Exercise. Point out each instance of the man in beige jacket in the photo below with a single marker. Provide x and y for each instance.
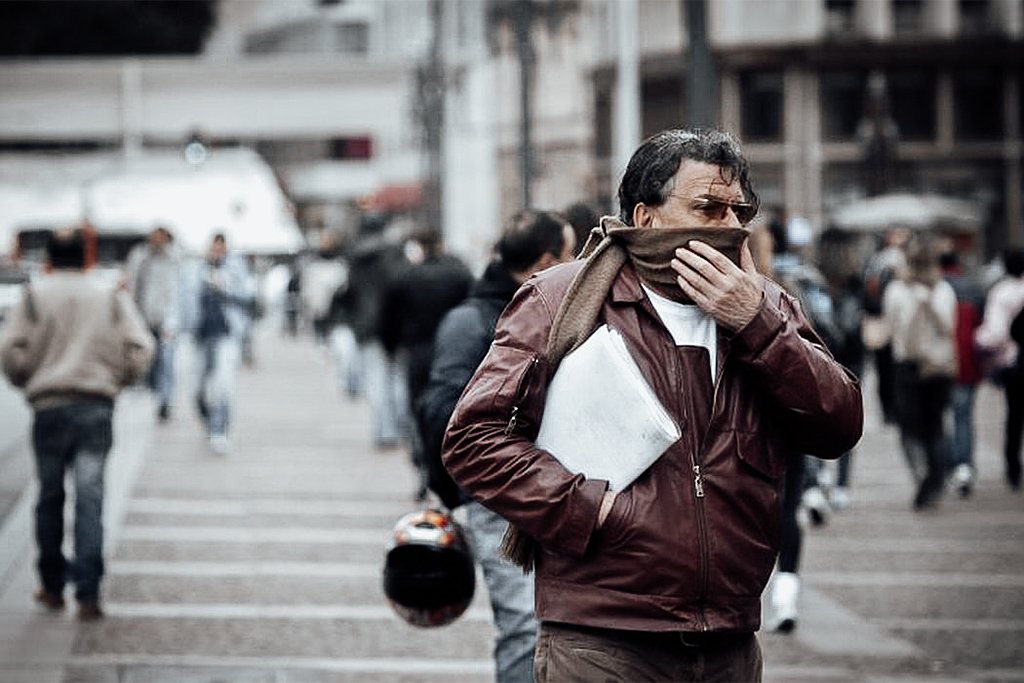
(71, 345)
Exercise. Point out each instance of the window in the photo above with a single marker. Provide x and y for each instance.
(978, 105)
(908, 17)
(352, 148)
(839, 18)
(663, 104)
(976, 18)
(912, 103)
(842, 104)
(761, 105)
(351, 38)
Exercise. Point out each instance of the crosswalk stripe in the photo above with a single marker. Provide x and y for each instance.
(270, 506)
(240, 534)
(912, 579)
(398, 665)
(249, 568)
(951, 624)
(183, 610)
(916, 545)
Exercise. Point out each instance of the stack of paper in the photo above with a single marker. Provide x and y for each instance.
(601, 417)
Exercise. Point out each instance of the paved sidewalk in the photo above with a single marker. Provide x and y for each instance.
(264, 565)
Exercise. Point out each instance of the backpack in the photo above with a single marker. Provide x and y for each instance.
(929, 344)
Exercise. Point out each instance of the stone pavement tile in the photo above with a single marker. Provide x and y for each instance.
(284, 670)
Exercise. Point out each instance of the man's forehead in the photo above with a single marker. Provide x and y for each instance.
(699, 175)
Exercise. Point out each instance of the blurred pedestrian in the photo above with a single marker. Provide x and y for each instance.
(882, 267)
(224, 304)
(376, 261)
(531, 241)
(1002, 305)
(662, 579)
(321, 275)
(71, 345)
(583, 219)
(153, 275)
(343, 345)
(413, 306)
(848, 303)
(920, 309)
(970, 301)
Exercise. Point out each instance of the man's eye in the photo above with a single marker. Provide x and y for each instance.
(711, 207)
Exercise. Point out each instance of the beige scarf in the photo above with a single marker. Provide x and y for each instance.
(608, 248)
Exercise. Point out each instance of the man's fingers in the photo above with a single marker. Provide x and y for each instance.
(747, 263)
(709, 253)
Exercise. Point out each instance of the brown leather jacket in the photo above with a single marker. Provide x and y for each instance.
(689, 546)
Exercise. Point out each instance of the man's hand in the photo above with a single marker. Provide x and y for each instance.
(605, 508)
(730, 295)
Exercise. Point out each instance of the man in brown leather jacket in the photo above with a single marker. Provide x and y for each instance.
(661, 580)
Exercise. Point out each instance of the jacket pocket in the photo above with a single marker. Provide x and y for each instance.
(617, 525)
(508, 387)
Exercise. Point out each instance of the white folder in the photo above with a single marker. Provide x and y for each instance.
(601, 418)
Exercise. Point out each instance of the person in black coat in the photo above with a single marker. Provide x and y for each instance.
(532, 241)
(412, 308)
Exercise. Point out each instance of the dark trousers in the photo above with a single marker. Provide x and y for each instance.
(792, 537)
(1013, 389)
(575, 653)
(78, 437)
(921, 402)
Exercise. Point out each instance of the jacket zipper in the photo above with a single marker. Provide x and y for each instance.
(520, 391)
(698, 486)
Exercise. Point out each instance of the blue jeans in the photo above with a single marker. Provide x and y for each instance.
(386, 392)
(220, 358)
(961, 450)
(511, 594)
(76, 436)
(161, 374)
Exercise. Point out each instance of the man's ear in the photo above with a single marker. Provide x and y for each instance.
(643, 216)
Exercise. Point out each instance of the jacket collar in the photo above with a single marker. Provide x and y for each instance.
(626, 287)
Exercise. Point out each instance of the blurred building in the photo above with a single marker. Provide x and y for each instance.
(833, 99)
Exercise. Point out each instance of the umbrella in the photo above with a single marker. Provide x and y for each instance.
(913, 211)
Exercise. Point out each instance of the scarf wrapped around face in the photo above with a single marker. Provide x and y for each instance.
(608, 247)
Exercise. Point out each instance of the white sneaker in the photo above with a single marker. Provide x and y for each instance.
(785, 592)
(220, 444)
(839, 498)
(963, 479)
(818, 510)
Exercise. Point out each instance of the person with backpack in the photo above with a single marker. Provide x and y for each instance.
(881, 269)
(920, 309)
(1003, 307)
(531, 241)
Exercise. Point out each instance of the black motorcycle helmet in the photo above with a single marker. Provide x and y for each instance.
(429, 575)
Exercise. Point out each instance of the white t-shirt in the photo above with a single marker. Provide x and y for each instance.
(688, 325)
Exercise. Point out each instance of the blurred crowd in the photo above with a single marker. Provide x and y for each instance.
(918, 312)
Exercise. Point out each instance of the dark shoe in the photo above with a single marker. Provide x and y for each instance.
(202, 408)
(164, 413)
(54, 602)
(89, 610)
(1013, 478)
